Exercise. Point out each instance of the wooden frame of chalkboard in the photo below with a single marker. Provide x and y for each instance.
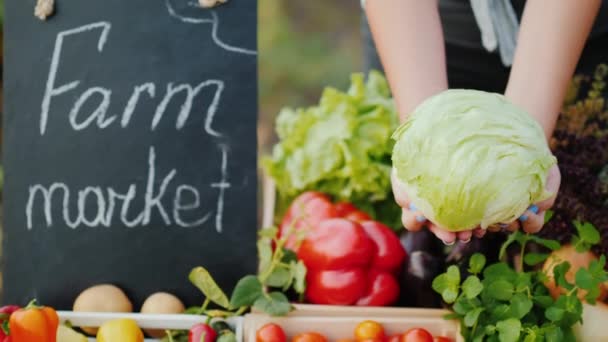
(130, 147)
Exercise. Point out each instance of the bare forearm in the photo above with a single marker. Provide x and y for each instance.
(409, 40)
(551, 37)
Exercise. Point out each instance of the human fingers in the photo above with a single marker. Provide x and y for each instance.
(532, 220)
(479, 232)
(448, 238)
(412, 219)
(465, 236)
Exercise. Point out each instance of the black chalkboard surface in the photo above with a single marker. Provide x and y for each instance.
(130, 147)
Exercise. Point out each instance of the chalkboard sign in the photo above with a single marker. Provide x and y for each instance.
(129, 147)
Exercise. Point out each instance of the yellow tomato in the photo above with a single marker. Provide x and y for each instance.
(120, 330)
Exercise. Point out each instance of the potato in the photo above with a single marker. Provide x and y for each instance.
(102, 298)
(577, 260)
(161, 303)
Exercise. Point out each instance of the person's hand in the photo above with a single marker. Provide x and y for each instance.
(531, 221)
(534, 218)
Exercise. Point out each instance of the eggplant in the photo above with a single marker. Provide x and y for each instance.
(417, 279)
(425, 261)
(423, 240)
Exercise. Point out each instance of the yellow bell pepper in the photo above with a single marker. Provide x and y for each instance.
(120, 330)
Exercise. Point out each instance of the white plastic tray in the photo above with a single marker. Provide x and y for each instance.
(145, 321)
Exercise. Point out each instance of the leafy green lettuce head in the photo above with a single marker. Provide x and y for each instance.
(341, 146)
(470, 158)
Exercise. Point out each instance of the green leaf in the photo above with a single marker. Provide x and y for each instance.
(501, 311)
(499, 271)
(559, 274)
(584, 279)
(462, 306)
(551, 244)
(447, 284)
(246, 291)
(532, 259)
(548, 215)
(280, 277)
(275, 304)
(218, 313)
(503, 249)
(553, 334)
(476, 263)
(592, 295)
(288, 256)
(554, 313)
(587, 232)
(472, 287)
(299, 275)
(500, 289)
(509, 330)
(264, 254)
(472, 316)
(544, 301)
(520, 305)
(201, 278)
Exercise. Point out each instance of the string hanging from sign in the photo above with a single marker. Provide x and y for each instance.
(44, 9)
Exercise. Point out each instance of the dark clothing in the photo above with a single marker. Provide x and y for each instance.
(470, 65)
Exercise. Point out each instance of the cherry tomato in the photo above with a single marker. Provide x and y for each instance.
(417, 335)
(270, 333)
(442, 339)
(369, 330)
(309, 337)
(394, 338)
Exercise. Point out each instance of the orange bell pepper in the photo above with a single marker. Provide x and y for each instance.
(34, 324)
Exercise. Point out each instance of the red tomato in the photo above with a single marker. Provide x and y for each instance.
(309, 337)
(350, 212)
(270, 333)
(417, 335)
(369, 330)
(335, 287)
(394, 338)
(442, 339)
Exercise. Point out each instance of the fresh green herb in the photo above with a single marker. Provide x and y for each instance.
(497, 303)
(588, 236)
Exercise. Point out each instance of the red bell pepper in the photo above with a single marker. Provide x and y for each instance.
(350, 212)
(5, 314)
(351, 263)
(305, 212)
(34, 323)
